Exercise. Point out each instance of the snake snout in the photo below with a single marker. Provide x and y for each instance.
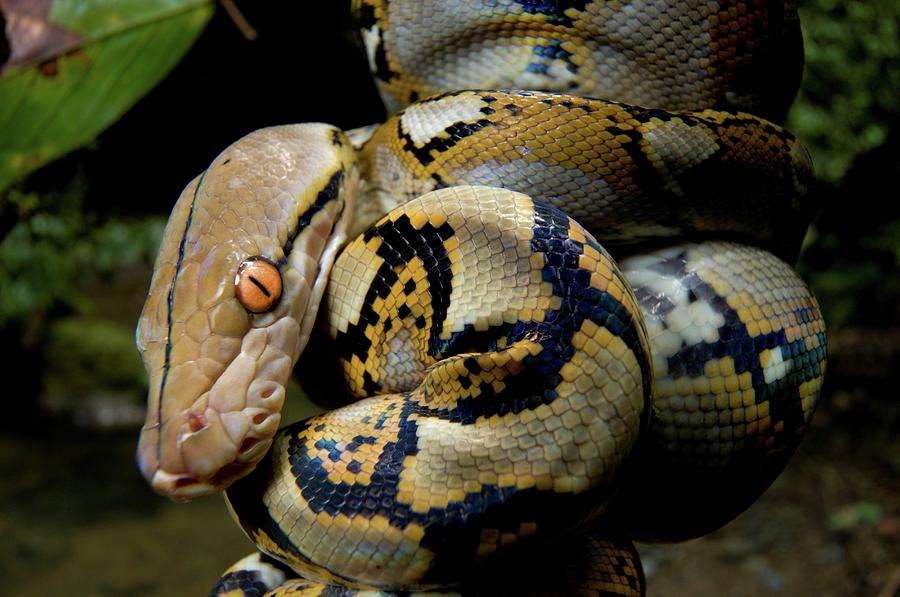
(178, 486)
(204, 448)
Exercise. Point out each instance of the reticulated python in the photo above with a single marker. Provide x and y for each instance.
(515, 386)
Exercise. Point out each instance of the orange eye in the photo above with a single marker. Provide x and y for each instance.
(257, 284)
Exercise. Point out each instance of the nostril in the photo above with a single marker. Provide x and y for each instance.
(248, 443)
(196, 422)
(259, 418)
(267, 392)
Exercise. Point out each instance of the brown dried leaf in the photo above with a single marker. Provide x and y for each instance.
(29, 34)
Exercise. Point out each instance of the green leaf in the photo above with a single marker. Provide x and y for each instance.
(849, 517)
(57, 250)
(852, 72)
(75, 66)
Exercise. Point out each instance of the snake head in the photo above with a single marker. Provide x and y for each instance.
(243, 263)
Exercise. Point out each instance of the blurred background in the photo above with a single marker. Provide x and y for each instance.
(96, 144)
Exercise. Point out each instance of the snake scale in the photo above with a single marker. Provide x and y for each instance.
(512, 385)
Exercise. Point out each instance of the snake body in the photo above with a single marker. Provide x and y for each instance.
(728, 54)
(514, 383)
(491, 425)
(640, 175)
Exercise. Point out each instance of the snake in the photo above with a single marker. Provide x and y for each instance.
(558, 322)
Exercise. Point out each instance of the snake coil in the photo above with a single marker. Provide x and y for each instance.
(513, 385)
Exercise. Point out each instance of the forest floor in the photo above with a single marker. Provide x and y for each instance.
(78, 519)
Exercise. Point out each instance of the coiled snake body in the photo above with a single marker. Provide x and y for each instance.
(515, 386)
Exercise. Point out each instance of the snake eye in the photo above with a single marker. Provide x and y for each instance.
(257, 284)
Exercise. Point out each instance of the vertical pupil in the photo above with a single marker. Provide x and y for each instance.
(258, 284)
(261, 286)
